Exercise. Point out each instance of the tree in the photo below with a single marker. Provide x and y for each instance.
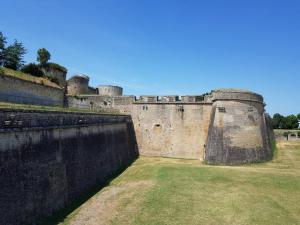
(13, 55)
(277, 121)
(290, 122)
(298, 116)
(43, 56)
(2, 47)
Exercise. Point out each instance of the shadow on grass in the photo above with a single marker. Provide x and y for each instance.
(61, 214)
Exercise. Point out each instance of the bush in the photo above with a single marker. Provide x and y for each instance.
(55, 66)
(33, 69)
(54, 80)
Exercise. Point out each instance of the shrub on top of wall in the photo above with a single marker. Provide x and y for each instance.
(55, 66)
(33, 69)
(53, 79)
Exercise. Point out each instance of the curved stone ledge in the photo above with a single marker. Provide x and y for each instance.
(236, 94)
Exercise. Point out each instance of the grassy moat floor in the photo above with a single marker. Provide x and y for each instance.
(161, 191)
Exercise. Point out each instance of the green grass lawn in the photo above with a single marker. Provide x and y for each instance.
(161, 191)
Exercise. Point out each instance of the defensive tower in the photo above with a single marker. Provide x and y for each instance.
(78, 84)
(110, 90)
(239, 128)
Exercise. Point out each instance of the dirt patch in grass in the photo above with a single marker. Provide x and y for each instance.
(112, 202)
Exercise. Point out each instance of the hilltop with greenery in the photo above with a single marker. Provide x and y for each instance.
(12, 57)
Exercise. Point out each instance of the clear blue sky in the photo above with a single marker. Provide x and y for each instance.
(168, 46)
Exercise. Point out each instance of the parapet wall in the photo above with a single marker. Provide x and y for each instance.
(49, 159)
(16, 90)
(122, 104)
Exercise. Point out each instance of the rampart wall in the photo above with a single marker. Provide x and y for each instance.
(228, 126)
(49, 159)
(122, 104)
(172, 130)
(16, 90)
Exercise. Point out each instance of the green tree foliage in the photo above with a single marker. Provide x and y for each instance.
(298, 116)
(277, 121)
(33, 69)
(43, 56)
(282, 122)
(2, 47)
(290, 122)
(13, 55)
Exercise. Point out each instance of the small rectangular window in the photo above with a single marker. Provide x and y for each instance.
(222, 109)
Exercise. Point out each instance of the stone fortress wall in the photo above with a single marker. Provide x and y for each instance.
(49, 159)
(227, 126)
(16, 90)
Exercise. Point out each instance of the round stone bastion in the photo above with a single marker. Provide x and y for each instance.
(240, 130)
(78, 84)
(110, 90)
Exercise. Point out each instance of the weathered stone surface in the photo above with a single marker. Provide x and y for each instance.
(171, 130)
(239, 130)
(78, 84)
(53, 158)
(16, 90)
(110, 90)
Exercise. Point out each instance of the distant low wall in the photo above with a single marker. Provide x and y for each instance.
(16, 90)
(121, 104)
(49, 159)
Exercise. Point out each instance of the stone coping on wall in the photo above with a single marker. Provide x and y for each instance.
(173, 103)
(22, 119)
(236, 94)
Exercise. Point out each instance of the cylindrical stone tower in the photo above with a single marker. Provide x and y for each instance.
(109, 90)
(239, 130)
(78, 84)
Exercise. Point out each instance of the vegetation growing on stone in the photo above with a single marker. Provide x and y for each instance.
(55, 66)
(28, 77)
(33, 69)
(12, 57)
